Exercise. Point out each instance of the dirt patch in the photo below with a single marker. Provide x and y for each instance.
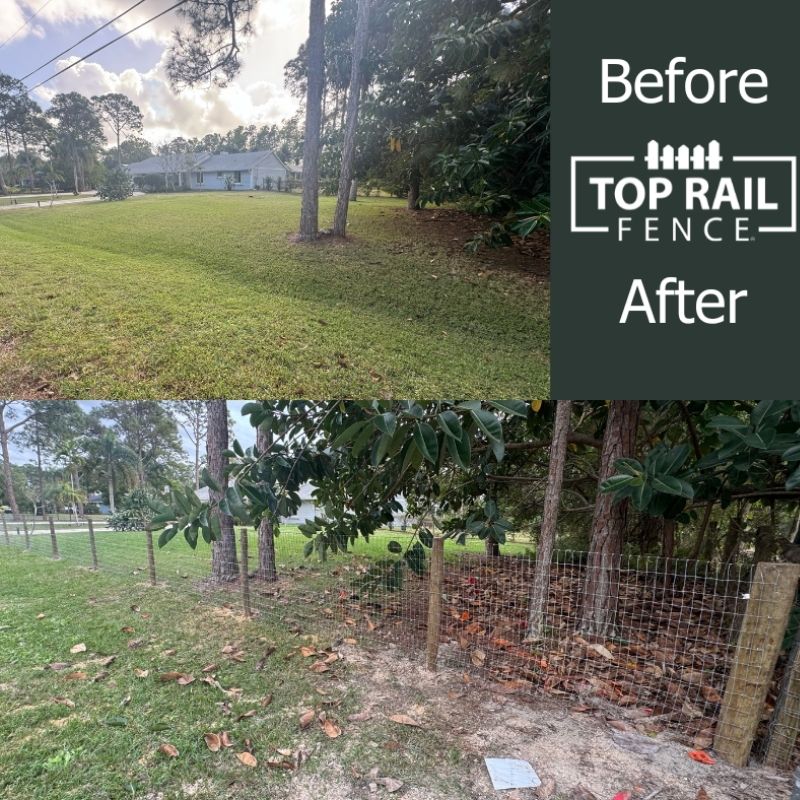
(452, 229)
(569, 750)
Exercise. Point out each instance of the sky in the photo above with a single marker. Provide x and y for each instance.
(135, 65)
(242, 429)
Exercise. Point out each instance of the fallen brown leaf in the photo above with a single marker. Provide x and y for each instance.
(169, 750)
(213, 742)
(331, 729)
(225, 739)
(77, 676)
(64, 701)
(307, 717)
(78, 648)
(141, 673)
(248, 759)
(404, 719)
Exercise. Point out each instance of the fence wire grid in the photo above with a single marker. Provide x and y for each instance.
(707, 652)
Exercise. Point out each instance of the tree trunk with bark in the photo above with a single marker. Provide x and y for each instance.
(547, 534)
(601, 584)
(413, 189)
(315, 60)
(668, 538)
(349, 144)
(492, 548)
(267, 568)
(111, 500)
(8, 478)
(224, 563)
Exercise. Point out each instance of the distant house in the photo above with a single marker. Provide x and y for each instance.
(205, 171)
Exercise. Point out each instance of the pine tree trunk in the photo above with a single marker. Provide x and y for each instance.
(8, 478)
(111, 500)
(547, 535)
(349, 144)
(224, 563)
(3, 186)
(267, 568)
(315, 60)
(668, 538)
(75, 177)
(76, 480)
(413, 189)
(353, 190)
(601, 584)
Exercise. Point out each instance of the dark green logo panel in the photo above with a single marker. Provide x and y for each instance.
(676, 134)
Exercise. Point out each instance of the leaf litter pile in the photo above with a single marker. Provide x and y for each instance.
(666, 667)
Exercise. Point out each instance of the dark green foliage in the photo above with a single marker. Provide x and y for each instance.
(137, 512)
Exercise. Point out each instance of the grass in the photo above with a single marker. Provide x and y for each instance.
(206, 295)
(99, 737)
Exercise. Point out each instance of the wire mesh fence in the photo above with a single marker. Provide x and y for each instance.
(703, 651)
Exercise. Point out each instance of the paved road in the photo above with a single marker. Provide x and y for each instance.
(45, 202)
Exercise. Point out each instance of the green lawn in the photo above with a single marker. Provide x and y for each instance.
(89, 725)
(125, 552)
(206, 295)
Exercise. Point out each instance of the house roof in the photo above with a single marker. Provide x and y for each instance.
(235, 162)
(158, 165)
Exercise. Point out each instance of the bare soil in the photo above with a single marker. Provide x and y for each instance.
(576, 755)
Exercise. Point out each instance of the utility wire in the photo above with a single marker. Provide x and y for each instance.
(108, 44)
(81, 41)
(41, 8)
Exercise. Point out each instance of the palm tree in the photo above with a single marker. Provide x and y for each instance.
(113, 462)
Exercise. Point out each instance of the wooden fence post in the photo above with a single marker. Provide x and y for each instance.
(435, 602)
(245, 574)
(785, 724)
(53, 539)
(151, 556)
(27, 539)
(772, 593)
(92, 544)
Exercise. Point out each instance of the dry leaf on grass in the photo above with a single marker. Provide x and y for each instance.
(265, 701)
(127, 629)
(702, 794)
(225, 739)
(246, 715)
(404, 719)
(361, 716)
(40, 616)
(185, 680)
(248, 759)
(332, 730)
(391, 784)
(307, 717)
(307, 652)
(76, 676)
(213, 742)
(64, 701)
(78, 648)
(57, 666)
(169, 750)
(141, 673)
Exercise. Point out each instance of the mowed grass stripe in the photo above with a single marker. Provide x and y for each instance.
(206, 294)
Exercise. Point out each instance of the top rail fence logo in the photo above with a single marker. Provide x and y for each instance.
(684, 192)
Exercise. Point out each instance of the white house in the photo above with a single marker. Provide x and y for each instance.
(207, 171)
(309, 509)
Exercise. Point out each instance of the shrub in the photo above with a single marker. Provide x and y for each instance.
(117, 185)
(137, 512)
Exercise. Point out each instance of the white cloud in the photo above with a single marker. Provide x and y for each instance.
(256, 96)
(189, 112)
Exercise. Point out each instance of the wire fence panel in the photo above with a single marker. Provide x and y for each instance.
(683, 645)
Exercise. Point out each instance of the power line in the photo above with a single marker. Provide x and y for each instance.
(81, 41)
(108, 44)
(41, 8)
